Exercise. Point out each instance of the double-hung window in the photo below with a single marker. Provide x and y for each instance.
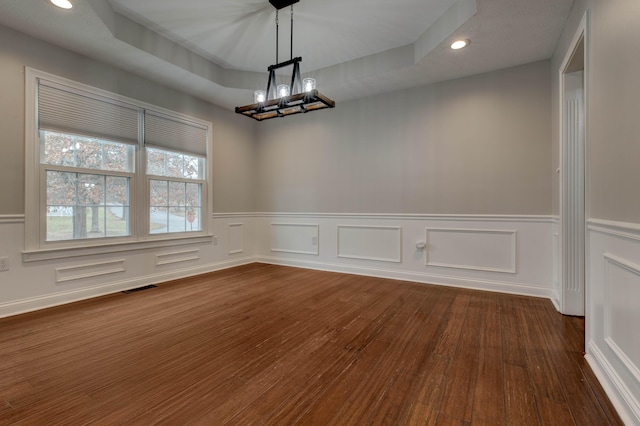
(104, 170)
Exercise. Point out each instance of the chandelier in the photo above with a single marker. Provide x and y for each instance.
(300, 96)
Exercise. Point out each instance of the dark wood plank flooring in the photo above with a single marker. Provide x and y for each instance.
(263, 344)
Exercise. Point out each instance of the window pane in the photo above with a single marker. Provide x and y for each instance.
(193, 219)
(177, 219)
(115, 155)
(61, 188)
(95, 222)
(155, 162)
(176, 194)
(193, 195)
(88, 153)
(193, 167)
(59, 223)
(175, 166)
(117, 191)
(158, 218)
(117, 222)
(57, 149)
(91, 190)
(159, 193)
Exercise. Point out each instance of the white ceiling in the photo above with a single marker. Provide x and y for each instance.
(219, 50)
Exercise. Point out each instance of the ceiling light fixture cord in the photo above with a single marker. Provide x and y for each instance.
(277, 36)
(291, 32)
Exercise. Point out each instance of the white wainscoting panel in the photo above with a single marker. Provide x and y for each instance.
(613, 312)
(236, 238)
(491, 250)
(379, 243)
(297, 238)
(177, 257)
(622, 302)
(89, 270)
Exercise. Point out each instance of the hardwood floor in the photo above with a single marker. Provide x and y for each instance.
(263, 344)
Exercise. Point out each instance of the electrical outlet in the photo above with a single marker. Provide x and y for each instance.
(314, 241)
(215, 240)
(4, 264)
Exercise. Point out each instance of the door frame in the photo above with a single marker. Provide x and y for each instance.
(568, 303)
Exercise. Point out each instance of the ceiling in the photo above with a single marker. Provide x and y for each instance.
(219, 50)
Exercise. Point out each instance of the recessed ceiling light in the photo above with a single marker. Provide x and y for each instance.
(459, 44)
(63, 4)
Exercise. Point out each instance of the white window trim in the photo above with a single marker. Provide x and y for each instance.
(37, 249)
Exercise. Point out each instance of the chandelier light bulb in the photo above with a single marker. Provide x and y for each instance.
(283, 90)
(309, 84)
(259, 96)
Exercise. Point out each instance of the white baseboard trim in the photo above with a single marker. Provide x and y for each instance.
(62, 298)
(417, 277)
(555, 299)
(621, 397)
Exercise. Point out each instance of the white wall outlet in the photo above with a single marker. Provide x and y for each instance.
(314, 241)
(215, 240)
(4, 264)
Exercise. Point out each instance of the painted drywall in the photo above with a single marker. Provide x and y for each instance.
(477, 145)
(614, 98)
(233, 137)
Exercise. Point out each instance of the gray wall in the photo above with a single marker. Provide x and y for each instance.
(613, 150)
(233, 136)
(478, 145)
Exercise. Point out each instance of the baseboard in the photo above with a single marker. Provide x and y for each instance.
(62, 298)
(423, 278)
(621, 397)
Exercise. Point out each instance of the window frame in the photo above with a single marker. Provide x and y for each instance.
(37, 248)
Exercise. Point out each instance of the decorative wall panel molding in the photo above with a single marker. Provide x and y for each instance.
(630, 231)
(89, 270)
(236, 238)
(11, 218)
(622, 298)
(177, 257)
(297, 238)
(490, 250)
(378, 243)
(391, 216)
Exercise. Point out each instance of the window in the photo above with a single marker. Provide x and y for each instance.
(110, 169)
(87, 185)
(175, 201)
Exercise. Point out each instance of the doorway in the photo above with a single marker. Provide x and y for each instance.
(573, 137)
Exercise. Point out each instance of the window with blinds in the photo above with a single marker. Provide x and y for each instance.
(93, 182)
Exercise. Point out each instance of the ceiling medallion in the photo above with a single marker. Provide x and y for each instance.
(282, 100)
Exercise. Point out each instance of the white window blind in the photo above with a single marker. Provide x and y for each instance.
(67, 110)
(174, 134)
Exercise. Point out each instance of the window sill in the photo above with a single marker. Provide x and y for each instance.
(77, 251)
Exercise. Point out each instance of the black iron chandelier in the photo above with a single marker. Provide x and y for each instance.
(283, 100)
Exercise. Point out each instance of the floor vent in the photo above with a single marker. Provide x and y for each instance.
(135, 290)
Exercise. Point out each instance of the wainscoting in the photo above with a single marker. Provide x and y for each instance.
(510, 254)
(613, 312)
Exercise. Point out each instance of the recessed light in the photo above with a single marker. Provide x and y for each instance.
(63, 4)
(459, 44)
